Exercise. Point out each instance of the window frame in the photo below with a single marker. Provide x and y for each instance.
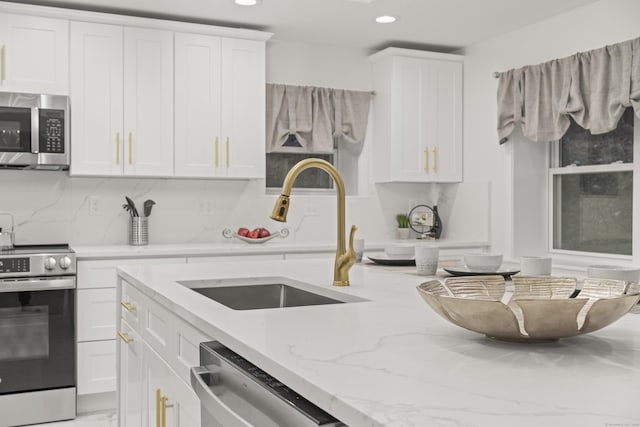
(555, 170)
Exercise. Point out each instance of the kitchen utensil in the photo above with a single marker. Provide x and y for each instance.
(539, 309)
(7, 237)
(148, 205)
(132, 205)
(127, 208)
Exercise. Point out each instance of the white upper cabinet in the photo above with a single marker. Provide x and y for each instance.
(148, 102)
(417, 116)
(122, 100)
(198, 104)
(34, 54)
(220, 107)
(243, 107)
(96, 99)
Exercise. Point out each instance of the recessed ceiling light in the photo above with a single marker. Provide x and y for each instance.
(247, 2)
(385, 19)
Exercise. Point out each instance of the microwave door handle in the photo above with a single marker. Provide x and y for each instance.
(35, 130)
(224, 415)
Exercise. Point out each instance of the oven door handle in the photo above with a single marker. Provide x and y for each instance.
(224, 415)
(21, 285)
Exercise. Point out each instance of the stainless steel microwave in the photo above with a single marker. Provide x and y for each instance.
(34, 131)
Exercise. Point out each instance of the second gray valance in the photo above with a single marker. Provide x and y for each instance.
(594, 88)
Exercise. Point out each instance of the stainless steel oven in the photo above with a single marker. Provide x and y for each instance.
(235, 393)
(37, 334)
(34, 131)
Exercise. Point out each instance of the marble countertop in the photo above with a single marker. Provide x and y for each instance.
(238, 247)
(392, 361)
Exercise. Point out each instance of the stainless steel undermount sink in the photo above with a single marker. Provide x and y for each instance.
(270, 292)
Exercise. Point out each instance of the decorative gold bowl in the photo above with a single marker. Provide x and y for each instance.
(538, 308)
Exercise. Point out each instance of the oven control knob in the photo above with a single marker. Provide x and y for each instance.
(65, 262)
(50, 263)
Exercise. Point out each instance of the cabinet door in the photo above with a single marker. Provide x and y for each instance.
(96, 98)
(96, 314)
(148, 102)
(444, 128)
(197, 115)
(243, 108)
(96, 367)
(131, 378)
(35, 54)
(409, 154)
(182, 405)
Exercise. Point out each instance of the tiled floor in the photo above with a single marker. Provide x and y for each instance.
(102, 419)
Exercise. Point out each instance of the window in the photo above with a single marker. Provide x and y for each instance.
(591, 180)
(278, 164)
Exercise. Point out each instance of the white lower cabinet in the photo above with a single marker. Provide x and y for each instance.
(96, 367)
(96, 311)
(130, 375)
(155, 359)
(170, 402)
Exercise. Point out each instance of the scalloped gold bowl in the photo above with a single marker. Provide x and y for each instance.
(538, 309)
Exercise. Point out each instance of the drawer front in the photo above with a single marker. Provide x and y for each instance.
(158, 328)
(131, 304)
(96, 314)
(96, 367)
(103, 274)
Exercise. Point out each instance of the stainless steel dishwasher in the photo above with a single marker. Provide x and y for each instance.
(233, 392)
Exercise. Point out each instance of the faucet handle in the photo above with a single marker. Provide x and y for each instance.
(352, 233)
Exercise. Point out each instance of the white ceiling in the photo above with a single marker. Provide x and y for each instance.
(440, 25)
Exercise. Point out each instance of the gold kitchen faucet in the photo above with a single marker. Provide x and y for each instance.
(344, 258)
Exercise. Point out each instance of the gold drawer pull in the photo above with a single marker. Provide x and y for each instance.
(125, 337)
(4, 62)
(161, 409)
(128, 306)
(435, 159)
(130, 146)
(227, 152)
(426, 160)
(217, 151)
(117, 148)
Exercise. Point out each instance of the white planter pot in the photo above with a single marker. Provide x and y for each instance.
(403, 233)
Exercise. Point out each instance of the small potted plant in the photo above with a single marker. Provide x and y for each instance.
(403, 226)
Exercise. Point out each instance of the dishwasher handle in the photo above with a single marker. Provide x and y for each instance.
(225, 415)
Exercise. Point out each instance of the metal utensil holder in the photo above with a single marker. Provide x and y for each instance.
(139, 230)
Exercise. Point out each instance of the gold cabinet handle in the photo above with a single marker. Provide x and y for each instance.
(130, 146)
(117, 148)
(4, 62)
(158, 408)
(125, 337)
(227, 152)
(164, 406)
(128, 306)
(426, 160)
(217, 152)
(435, 159)
(161, 409)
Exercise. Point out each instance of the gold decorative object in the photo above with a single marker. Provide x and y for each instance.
(344, 258)
(538, 309)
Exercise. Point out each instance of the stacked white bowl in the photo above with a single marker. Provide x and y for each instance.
(400, 251)
(483, 263)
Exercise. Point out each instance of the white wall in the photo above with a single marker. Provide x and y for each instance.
(586, 28)
(53, 207)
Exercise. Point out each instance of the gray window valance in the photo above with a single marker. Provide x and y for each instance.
(318, 118)
(594, 88)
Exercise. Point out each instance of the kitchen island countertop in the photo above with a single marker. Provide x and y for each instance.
(392, 361)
